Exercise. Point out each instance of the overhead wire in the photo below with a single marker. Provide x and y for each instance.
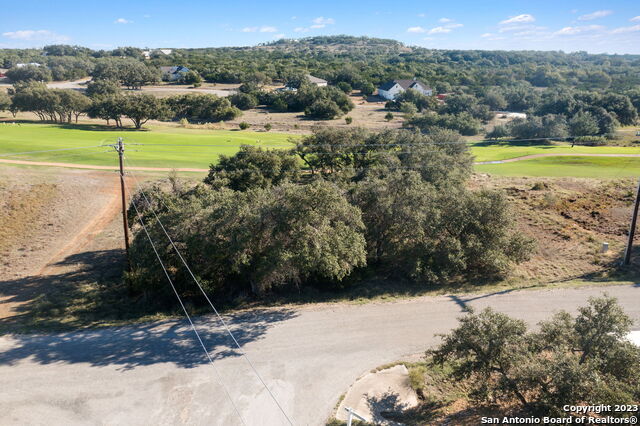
(193, 327)
(222, 321)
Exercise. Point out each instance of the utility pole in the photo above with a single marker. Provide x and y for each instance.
(125, 222)
(632, 229)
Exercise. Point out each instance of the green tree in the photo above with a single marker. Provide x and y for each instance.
(192, 77)
(143, 107)
(253, 167)
(261, 239)
(568, 361)
(367, 88)
(29, 73)
(102, 88)
(323, 109)
(583, 124)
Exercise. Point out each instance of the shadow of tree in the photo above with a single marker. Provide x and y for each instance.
(384, 405)
(151, 343)
(89, 292)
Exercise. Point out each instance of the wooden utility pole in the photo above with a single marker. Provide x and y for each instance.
(632, 229)
(125, 221)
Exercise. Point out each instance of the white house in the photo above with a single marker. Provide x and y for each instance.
(173, 73)
(317, 81)
(391, 89)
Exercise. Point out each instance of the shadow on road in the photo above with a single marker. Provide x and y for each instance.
(146, 344)
(88, 291)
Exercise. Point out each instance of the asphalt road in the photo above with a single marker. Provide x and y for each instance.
(156, 374)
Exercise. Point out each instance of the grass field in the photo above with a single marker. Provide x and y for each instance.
(593, 167)
(164, 146)
(494, 152)
(189, 153)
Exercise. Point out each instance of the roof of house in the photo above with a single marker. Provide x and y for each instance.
(405, 84)
(315, 80)
(173, 70)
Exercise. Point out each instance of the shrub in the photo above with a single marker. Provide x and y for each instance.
(348, 120)
(388, 116)
(345, 87)
(244, 125)
(323, 109)
(571, 360)
(268, 127)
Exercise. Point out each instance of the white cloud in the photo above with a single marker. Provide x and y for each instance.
(485, 35)
(317, 26)
(267, 29)
(622, 30)
(122, 21)
(579, 29)
(595, 15)
(453, 26)
(146, 16)
(321, 20)
(519, 19)
(439, 30)
(300, 30)
(444, 20)
(635, 19)
(35, 35)
(279, 36)
(421, 15)
(249, 29)
(416, 30)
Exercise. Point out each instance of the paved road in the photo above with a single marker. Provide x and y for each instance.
(156, 374)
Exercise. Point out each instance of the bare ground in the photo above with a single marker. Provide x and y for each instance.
(58, 215)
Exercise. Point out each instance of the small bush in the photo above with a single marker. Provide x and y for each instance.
(268, 127)
(348, 120)
(244, 125)
(388, 116)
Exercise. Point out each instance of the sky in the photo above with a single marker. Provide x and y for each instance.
(569, 25)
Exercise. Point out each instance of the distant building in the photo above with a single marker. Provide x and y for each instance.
(35, 64)
(147, 54)
(311, 79)
(173, 73)
(391, 89)
(317, 81)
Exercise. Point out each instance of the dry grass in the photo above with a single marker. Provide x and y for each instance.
(570, 219)
(20, 207)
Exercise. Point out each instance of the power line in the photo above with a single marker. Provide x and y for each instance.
(193, 327)
(222, 321)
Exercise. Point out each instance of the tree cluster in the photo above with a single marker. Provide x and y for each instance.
(569, 361)
(394, 202)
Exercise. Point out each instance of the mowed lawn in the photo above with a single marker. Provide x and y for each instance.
(591, 167)
(172, 147)
(484, 151)
(167, 146)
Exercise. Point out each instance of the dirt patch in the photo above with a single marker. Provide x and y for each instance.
(49, 215)
(570, 219)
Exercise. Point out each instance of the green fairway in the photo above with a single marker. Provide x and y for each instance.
(187, 149)
(163, 146)
(484, 151)
(593, 167)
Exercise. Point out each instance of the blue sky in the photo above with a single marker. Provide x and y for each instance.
(593, 26)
